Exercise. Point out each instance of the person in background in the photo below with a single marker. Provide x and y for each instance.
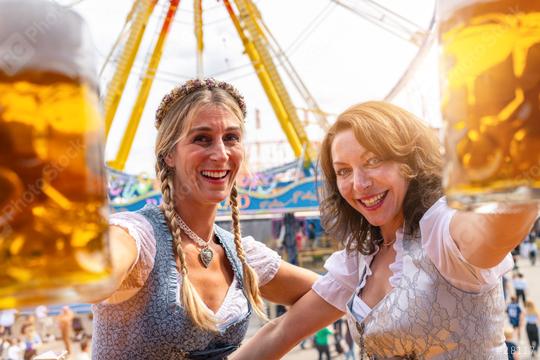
(7, 319)
(44, 323)
(299, 238)
(64, 323)
(3, 347)
(289, 239)
(84, 354)
(321, 342)
(32, 340)
(349, 354)
(515, 257)
(511, 346)
(531, 326)
(533, 249)
(514, 312)
(15, 349)
(520, 286)
(338, 335)
(78, 328)
(312, 235)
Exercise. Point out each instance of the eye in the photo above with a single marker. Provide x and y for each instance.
(231, 138)
(343, 172)
(373, 161)
(202, 139)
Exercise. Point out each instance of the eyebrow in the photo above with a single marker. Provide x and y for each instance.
(208, 128)
(362, 156)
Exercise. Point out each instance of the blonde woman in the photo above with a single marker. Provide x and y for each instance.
(417, 279)
(531, 326)
(185, 288)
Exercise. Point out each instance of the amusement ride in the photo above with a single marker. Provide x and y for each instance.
(287, 188)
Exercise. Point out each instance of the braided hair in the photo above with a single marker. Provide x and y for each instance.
(172, 118)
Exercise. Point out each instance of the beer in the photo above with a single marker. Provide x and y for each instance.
(490, 69)
(53, 208)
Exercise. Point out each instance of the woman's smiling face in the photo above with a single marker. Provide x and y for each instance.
(208, 157)
(373, 186)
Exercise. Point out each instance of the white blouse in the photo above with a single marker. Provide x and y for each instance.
(344, 270)
(262, 259)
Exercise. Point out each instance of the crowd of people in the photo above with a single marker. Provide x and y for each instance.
(521, 309)
(23, 336)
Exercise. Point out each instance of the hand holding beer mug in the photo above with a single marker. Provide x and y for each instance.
(490, 101)
(52, 180)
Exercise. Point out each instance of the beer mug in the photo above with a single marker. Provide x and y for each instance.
(490, 85)
(53, 202)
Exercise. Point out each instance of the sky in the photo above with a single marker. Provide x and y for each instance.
(341, 57)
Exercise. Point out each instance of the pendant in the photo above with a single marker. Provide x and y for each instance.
(206, 256)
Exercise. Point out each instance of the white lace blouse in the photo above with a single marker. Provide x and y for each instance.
(344, 270)
(262, 259)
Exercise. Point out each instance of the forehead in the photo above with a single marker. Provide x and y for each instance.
(214, 116)
(345, 146)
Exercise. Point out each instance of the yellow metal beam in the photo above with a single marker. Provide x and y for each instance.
(269, 77)
(143, 10)
(146, 85)
(266, 83)
(198, 22)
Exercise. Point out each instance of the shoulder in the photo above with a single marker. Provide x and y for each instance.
(444, 253)
(134, 223)
(437, 215)
(261, 258)
(342, 276)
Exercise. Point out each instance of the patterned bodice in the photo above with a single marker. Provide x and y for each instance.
(151, 324)
(425, 317)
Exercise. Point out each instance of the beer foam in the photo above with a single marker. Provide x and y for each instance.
(41, 35)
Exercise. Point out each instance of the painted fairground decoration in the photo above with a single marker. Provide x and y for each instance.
(297, 196)
(278, 190)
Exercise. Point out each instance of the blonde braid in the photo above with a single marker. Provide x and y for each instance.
(193, 304)
(251, 282)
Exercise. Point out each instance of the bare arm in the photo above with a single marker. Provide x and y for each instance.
(123, 254)
(485, 239)
(289, 284)
(280, 335)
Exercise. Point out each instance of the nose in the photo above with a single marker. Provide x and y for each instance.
(218, 151)
(361, 180)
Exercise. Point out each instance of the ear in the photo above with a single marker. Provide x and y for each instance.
(169, 160)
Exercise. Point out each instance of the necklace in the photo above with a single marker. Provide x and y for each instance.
(389, 243)
(205, 252)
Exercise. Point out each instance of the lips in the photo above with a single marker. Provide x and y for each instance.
(373, 202)
(215, 174)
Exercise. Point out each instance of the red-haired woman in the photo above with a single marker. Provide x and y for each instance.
(417, 279)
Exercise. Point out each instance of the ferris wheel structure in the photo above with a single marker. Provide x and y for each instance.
(269, 61)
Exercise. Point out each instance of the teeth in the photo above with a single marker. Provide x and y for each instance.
(373, 200)
(215, 174)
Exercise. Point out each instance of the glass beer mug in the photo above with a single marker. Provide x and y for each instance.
(490, 76)
(53, 204)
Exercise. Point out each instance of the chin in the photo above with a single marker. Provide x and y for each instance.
(216, 199)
